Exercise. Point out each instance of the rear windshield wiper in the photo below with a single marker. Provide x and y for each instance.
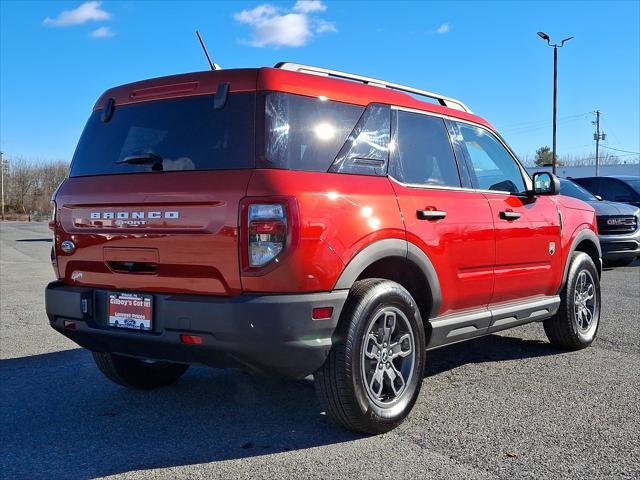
(149, 158)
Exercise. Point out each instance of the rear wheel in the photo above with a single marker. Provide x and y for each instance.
(136, 373)
(372, 377)
(576, 323)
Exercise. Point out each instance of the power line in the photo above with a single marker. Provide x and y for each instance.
(543, 123)
(620, 150)
(524, 130)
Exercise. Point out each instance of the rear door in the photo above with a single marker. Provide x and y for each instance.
(153, 196)
(528, 260)
(451, 224)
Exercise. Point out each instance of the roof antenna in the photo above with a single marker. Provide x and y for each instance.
(214, 66)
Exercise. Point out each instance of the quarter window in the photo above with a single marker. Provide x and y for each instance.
(367, 148)
(422, 151)
(492, 165)
(305, 133)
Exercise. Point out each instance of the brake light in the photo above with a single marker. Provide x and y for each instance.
(52, 227)
(267, 230)
(52, 221)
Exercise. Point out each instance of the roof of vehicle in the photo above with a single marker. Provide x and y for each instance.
(275, 79)
(618, 177)
(625, 177)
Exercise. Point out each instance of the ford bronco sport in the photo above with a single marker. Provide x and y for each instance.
(296, 220)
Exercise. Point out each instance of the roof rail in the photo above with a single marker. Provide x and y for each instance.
(325, 72)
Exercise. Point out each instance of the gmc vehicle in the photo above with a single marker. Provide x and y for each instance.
(296, 220)
(618, 225)
(614, 188)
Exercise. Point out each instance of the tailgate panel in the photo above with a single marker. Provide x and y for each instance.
(184, 224)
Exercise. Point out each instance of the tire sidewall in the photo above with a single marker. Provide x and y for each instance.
(383, 295)
(581, 263)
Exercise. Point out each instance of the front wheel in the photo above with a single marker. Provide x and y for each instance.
(576, 323)
(136, 373)
(372, 376)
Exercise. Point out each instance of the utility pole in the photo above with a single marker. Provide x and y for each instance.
(2, 176)
(597, 137)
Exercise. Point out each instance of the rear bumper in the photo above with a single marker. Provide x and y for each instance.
(620, 247)
(266, 333)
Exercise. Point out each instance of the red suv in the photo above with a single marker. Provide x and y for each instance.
(296, 220)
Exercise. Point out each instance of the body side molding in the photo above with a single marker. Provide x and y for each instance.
(455, 328)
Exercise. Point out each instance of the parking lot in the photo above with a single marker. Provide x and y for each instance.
(504, 406)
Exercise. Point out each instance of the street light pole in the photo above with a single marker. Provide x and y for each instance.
(555, 105)
(555, 46)
(2, 181)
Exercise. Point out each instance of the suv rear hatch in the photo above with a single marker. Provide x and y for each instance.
(154, 189)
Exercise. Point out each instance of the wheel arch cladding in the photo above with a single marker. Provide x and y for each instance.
(377, 260)
(587, 242)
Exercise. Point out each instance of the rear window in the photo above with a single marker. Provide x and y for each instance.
(169, 135)
(305, 133)
(635, 184)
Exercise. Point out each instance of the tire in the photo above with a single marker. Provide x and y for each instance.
(576, 324)
(355, 385)
(139, 374)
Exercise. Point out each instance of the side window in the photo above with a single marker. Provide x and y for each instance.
(615, 191)
(588, 183)
(366, 151)
(492, 164)
(422, 153)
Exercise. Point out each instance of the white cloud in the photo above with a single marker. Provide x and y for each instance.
(309, 6)
(324, 26)
(444, 28)
(258, 14)
(102, 32)
(87, 12)
(278, 27)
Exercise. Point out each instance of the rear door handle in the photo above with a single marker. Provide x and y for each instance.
(509, 215)
(431, 214)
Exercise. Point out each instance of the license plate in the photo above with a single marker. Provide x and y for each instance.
(130, 310)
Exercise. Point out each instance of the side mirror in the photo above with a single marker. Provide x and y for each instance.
(545, 183)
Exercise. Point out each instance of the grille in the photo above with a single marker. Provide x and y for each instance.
(617, 224)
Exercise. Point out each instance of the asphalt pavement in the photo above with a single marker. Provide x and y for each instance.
(505, 406)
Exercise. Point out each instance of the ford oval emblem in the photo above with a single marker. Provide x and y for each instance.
(68, 246)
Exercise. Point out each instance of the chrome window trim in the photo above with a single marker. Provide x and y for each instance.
(446, 187)
(523, 172)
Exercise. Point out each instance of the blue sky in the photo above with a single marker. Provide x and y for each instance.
(56, 58)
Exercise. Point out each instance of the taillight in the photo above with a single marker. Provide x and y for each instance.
(52, 221)
(267, 230)
(52, 227)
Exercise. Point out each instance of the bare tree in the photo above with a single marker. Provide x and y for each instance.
(21, 181)
(30, 184)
